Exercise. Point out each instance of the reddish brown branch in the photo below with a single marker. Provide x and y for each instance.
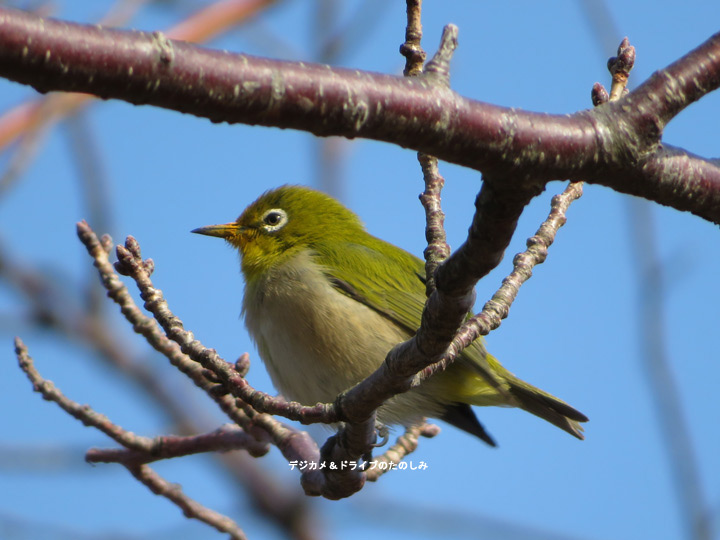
(330, 483)
(207, 22)
(147, 327)
(437, 249)
(137, 449)
(190, 508)
(497, 308)
(447, 305)
(223, 439)
(411, 49)
(616, 145)
(130, 263)
(84, 413)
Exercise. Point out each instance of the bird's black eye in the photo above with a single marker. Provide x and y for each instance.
(274, 219)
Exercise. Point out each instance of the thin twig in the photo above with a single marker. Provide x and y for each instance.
(223, 439)
(84, 413)
(620, 67)
(411, 49)
(130, 263)
(147, 327)
(444, 312)
(191, 508)
(395, 374)
(497, 308)
(138, 449)
(437, 249)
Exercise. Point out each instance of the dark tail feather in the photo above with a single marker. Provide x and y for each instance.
(462, 417)
(548, 408)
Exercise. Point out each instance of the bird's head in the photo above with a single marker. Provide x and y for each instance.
(282, 222)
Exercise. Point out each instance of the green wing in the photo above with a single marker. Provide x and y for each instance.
(383, 277)
(391, 281)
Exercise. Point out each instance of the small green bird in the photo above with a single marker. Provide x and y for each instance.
(325, 301)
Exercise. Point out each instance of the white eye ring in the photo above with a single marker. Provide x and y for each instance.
(274, 219)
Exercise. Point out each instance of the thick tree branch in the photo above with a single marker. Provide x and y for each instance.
(207, 22)
(616, 145)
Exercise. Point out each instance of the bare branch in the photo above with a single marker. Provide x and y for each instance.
(497, 308)
(442, 316)
(223, 439)
(412, 49)
(438, 249)
(60, 311)
(139, 449)
(131, 264)
(616, 145)
(331, 483)
(204, 24)
(147, 327)
(190, 508)
(81, 412)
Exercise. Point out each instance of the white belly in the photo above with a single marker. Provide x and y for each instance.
(317, 342)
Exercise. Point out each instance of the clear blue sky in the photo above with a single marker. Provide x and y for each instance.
(574, 330)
